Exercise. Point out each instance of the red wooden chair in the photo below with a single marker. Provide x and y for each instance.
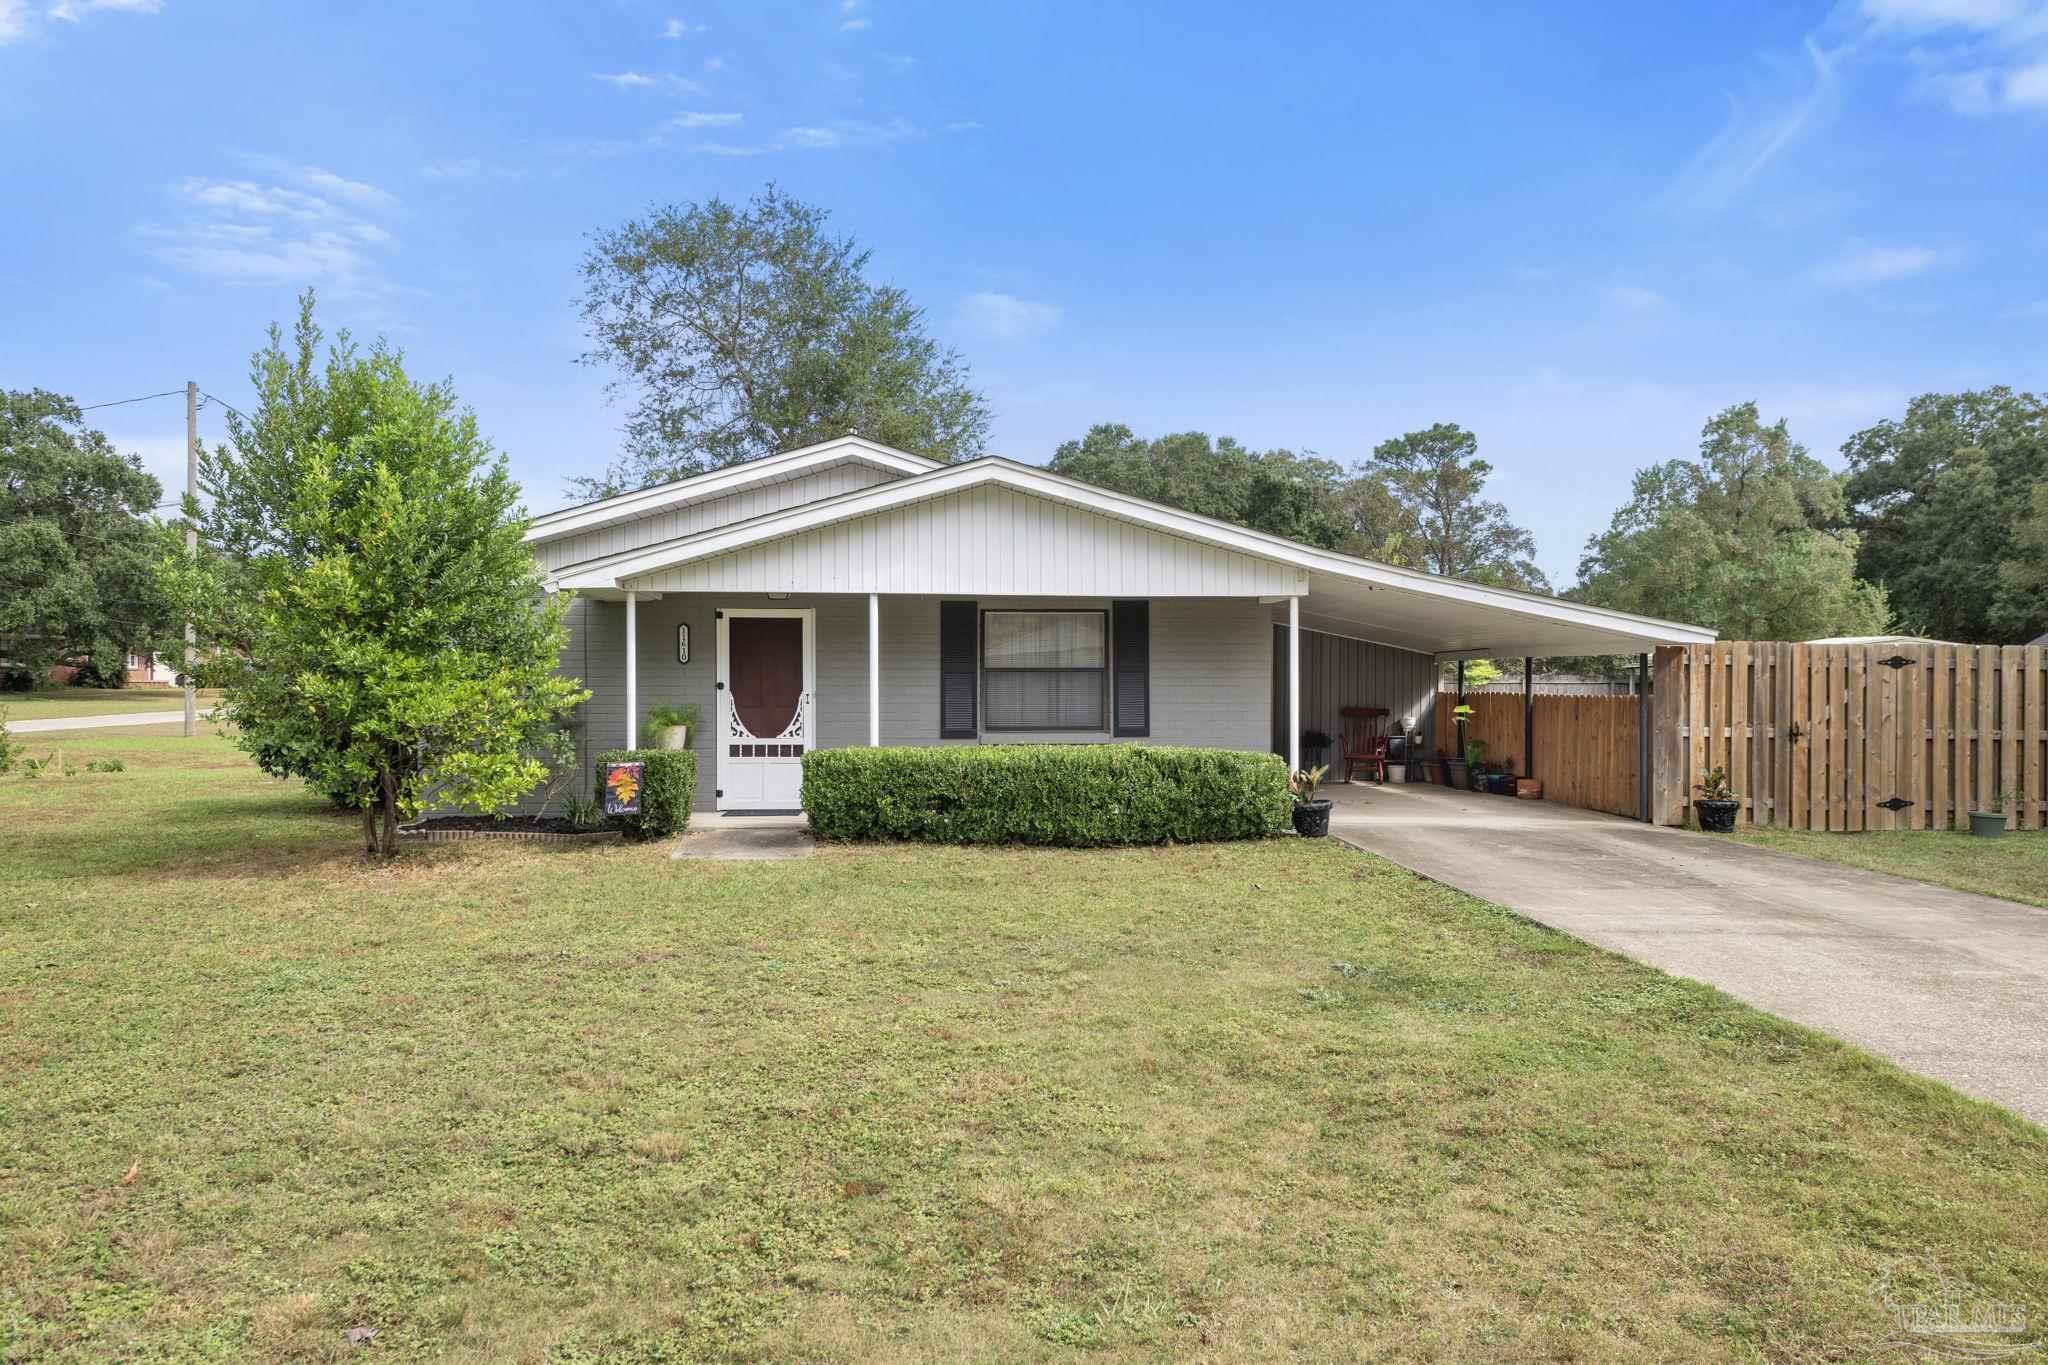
(1365, 741)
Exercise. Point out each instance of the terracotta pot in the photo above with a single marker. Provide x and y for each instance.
(1529, 788)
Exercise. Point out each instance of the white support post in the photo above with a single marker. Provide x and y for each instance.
(874, 670)
(1293, 684)
(632, 670)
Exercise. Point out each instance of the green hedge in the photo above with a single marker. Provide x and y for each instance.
(1075, 795)
(670, 789)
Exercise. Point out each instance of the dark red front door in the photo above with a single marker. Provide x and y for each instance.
(767, 662)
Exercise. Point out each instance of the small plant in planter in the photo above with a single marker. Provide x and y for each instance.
(1311, 814)
(1716, 805)
(670, 724)
(1500, 778)
(1315, 744)
(1475, 765)
(1990, 824)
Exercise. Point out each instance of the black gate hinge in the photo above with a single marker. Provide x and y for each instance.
(1895, 803)
(1896, 661)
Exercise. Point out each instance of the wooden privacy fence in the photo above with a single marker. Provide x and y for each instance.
(1852, 737)
(1586, 747)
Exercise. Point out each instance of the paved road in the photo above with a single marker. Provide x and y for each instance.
(1949, 984)
(34, 727)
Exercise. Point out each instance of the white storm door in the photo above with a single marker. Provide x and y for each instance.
(767, 706)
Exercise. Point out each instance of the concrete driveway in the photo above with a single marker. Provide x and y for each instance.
(1949, 984)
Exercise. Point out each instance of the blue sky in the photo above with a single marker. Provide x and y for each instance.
(1578, 234)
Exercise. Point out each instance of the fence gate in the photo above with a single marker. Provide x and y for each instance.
(1852, 737)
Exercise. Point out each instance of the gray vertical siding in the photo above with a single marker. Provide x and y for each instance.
(1336, 672)
(1210, 681)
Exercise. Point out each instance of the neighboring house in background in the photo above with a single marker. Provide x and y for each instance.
(848, 593)
(1559, 685)
(151, 670)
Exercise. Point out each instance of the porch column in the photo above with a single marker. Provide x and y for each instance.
(874, 670)
(1293, 684)
(1528, 716)
(1643, 737)
(632, 670)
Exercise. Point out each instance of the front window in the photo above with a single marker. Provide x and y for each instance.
(1045, 670)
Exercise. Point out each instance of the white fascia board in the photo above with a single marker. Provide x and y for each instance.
(1030, 479)
(718, 483)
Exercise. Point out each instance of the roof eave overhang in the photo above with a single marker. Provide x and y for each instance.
(718, 483)
(619, 570)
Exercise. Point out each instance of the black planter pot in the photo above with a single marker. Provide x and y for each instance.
(1717, 817)
(1454, 772)
(1987, 824)
(1312, 819)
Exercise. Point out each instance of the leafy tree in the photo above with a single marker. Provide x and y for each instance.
(1434, 479)
(1738, 540)
(1940, 498)
(2022, 606)
(1276, 491)
(77, 540)
(746, 331)
(368, 605)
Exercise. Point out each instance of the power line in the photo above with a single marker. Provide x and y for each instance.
(224, 403)
(167, 393)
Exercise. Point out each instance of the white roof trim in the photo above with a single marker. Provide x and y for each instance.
(718, 483)
(613, 570)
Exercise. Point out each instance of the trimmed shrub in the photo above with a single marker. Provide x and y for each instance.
(1071, 795)
(669, 788)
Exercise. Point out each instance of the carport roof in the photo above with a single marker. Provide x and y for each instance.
(1338, 593)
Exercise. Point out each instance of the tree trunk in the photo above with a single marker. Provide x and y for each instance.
(370, 830)
(388, 794)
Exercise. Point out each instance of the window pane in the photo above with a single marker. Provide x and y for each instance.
(1044, 639)
(1069, 699)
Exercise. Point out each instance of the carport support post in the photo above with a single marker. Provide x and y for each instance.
(632, 670)
(874, 670)
(1294, 684)
(1643, 737)
(1528, 716)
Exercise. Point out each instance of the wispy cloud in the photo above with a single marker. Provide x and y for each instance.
(1762, 124)
(266, 232)
(713, 65)
(455, 168)
(17, 16)
(677, 28)
(696, 120)
(965, 125)
(71, 11)
(855, 25)
(1633, 298)
(1866, 263)
(1005, 317)
(1978, 57)
(640, 80)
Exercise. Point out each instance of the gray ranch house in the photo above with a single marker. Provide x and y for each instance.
(848, 593)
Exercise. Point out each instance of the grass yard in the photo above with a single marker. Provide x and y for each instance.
(2014, 866)
(1271, 1101)
(62, 702)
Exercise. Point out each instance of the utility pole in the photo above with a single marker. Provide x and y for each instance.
(191, 541)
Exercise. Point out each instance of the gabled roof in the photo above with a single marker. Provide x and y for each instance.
(1481, 614)
(718, 483)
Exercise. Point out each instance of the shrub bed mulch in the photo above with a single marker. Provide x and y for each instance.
(526, 828)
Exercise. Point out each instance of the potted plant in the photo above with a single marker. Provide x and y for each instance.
(1311, 815)
(1314, 743)
(1500, 780)
(1433, 767)
(670, 724)
(1475, 764)
(1990, 824)
(1716, 805)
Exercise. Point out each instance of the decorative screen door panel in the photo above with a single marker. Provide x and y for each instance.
(766, 707)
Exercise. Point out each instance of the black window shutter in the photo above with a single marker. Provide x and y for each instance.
(959, 626)
(1131, 631)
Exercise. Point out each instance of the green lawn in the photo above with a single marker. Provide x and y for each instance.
(2014, 866)
(57, 702)
(1271, 1101)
